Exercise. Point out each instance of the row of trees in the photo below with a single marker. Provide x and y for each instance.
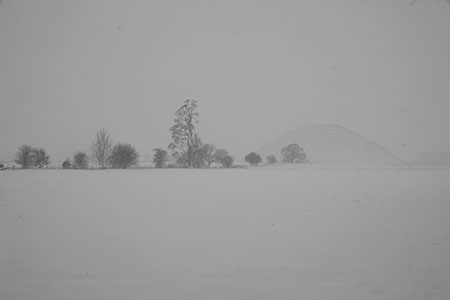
(118, 156)
(80, 161)
(103, 153)
(292, 153)
(187, 150)
(203, 156)
(190, 152)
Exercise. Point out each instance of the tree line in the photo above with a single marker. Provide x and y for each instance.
(291, 154)
(187, 150)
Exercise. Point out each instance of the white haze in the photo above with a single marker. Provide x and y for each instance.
(258, 70)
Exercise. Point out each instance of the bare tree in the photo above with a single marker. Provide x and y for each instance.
(101, 148)
(24, 156)
(183, 131)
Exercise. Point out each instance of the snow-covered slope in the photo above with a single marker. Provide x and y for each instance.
(334, 144)
(224, 234)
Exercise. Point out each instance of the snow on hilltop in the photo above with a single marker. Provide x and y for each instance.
(336, 145)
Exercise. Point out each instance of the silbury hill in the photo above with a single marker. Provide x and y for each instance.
(334, 145)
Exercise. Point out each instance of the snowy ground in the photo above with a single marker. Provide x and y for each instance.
(265, 233)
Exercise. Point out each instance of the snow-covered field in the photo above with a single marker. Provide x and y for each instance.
(264, 233)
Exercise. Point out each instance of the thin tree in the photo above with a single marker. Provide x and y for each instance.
(159, 157)
(183, 131)
(24, 156)
(101, 148)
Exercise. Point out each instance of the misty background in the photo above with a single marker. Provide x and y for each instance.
(258, 69)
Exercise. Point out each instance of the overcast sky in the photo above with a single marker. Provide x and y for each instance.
(258, 69)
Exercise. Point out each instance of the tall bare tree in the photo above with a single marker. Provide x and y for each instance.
(183, 131)
(101, 148)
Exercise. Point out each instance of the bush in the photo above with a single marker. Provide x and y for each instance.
(24, 156)
(66, 164)
(227, 161)
(80, 160)
(271, 159)
(253, 159)
(27, 156)
(222, 157)
(160, 157)
(207, 151)
(40, 157)
(123, 156)
(293, 153)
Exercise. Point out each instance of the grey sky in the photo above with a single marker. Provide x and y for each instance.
(257, 68)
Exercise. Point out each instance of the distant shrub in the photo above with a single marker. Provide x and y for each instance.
(222, 157)
(199, 153)
(80, 160)
(253, 158)
(123, 156)
(27, 156)
(207, 151)
(227, 161)
(24, 156)
(159, 157)
(66, 164)
(40, 158)
(271, 159)
(293, 153)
